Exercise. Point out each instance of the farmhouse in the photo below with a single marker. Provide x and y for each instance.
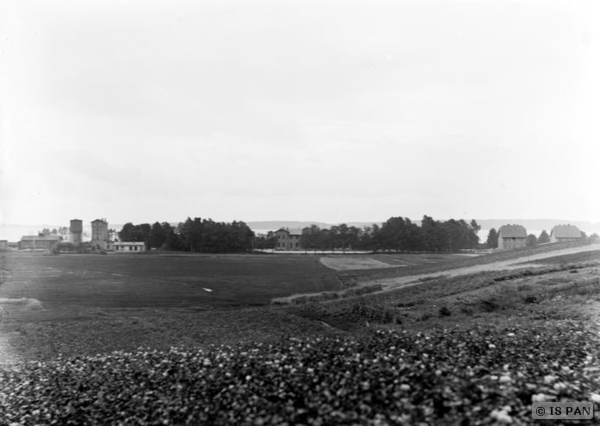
(33, 242)
(288, 239)
(126, 247)
(511, 236)
(3, 245)
(562, 233)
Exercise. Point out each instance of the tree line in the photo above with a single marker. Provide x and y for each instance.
(194, 235)
(396, 234)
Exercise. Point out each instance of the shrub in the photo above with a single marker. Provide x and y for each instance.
(467, 310)
(490, 304)
(444, 311)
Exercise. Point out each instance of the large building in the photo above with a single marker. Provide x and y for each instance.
(100, 234)
(512, 236)
(288, 239)
(36, 242)
(75, 231)
(562, 233)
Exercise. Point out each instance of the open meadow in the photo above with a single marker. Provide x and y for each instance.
(194, 339)
(152, 280)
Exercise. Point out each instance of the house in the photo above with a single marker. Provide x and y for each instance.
(33, 242)
(288, 239)
(562, 233)
(126, 247)
(3, 245)
(512, 236)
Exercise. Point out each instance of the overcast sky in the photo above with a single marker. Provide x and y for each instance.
(330, 111)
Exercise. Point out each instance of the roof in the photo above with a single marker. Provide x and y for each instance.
(512, 231)
(100, 220)
(128, 243)
(294, 231)
(37, 238)
(566, 231)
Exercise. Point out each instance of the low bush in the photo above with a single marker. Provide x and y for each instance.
(444, 312)
(376, 378)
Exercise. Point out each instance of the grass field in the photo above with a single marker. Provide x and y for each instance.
(136, 281)
(585, 256)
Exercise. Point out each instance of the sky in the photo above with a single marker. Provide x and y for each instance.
(331, 111)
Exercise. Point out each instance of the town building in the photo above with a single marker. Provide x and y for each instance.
(288, 239)
(100, 234)
(36, 242)
(511, 237)
(126, 247)
(561, 233)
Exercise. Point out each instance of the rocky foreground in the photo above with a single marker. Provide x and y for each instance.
(479, 376)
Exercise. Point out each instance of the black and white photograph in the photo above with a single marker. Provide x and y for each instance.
(284, 212)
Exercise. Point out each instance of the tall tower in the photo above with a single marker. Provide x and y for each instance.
(76, 230)
(99, 234)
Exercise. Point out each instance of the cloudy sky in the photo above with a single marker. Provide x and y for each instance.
(331, 111)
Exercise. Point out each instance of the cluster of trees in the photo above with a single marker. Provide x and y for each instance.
(396, 234)
(197, 235)
(46, 232)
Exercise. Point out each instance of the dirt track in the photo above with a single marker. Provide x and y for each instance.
(391, 283)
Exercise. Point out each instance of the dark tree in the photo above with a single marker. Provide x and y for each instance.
(492, 239)
(531, 240)
(353, 237)
(326, 240)
(433, 235)
(268, 241)
(310, 238)
(125, 233)
(376, 238)
(157, 236)
(172, 240)
(543, 238)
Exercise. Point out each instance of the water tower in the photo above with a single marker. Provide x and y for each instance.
(76, 229)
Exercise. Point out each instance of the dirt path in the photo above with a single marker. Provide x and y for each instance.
(392, 283)
(349, 263)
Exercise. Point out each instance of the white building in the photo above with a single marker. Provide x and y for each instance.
(127, 247)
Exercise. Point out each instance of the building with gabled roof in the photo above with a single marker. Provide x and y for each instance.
(37, 242)
(288, 239)
(512, 236)
(562, 233)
